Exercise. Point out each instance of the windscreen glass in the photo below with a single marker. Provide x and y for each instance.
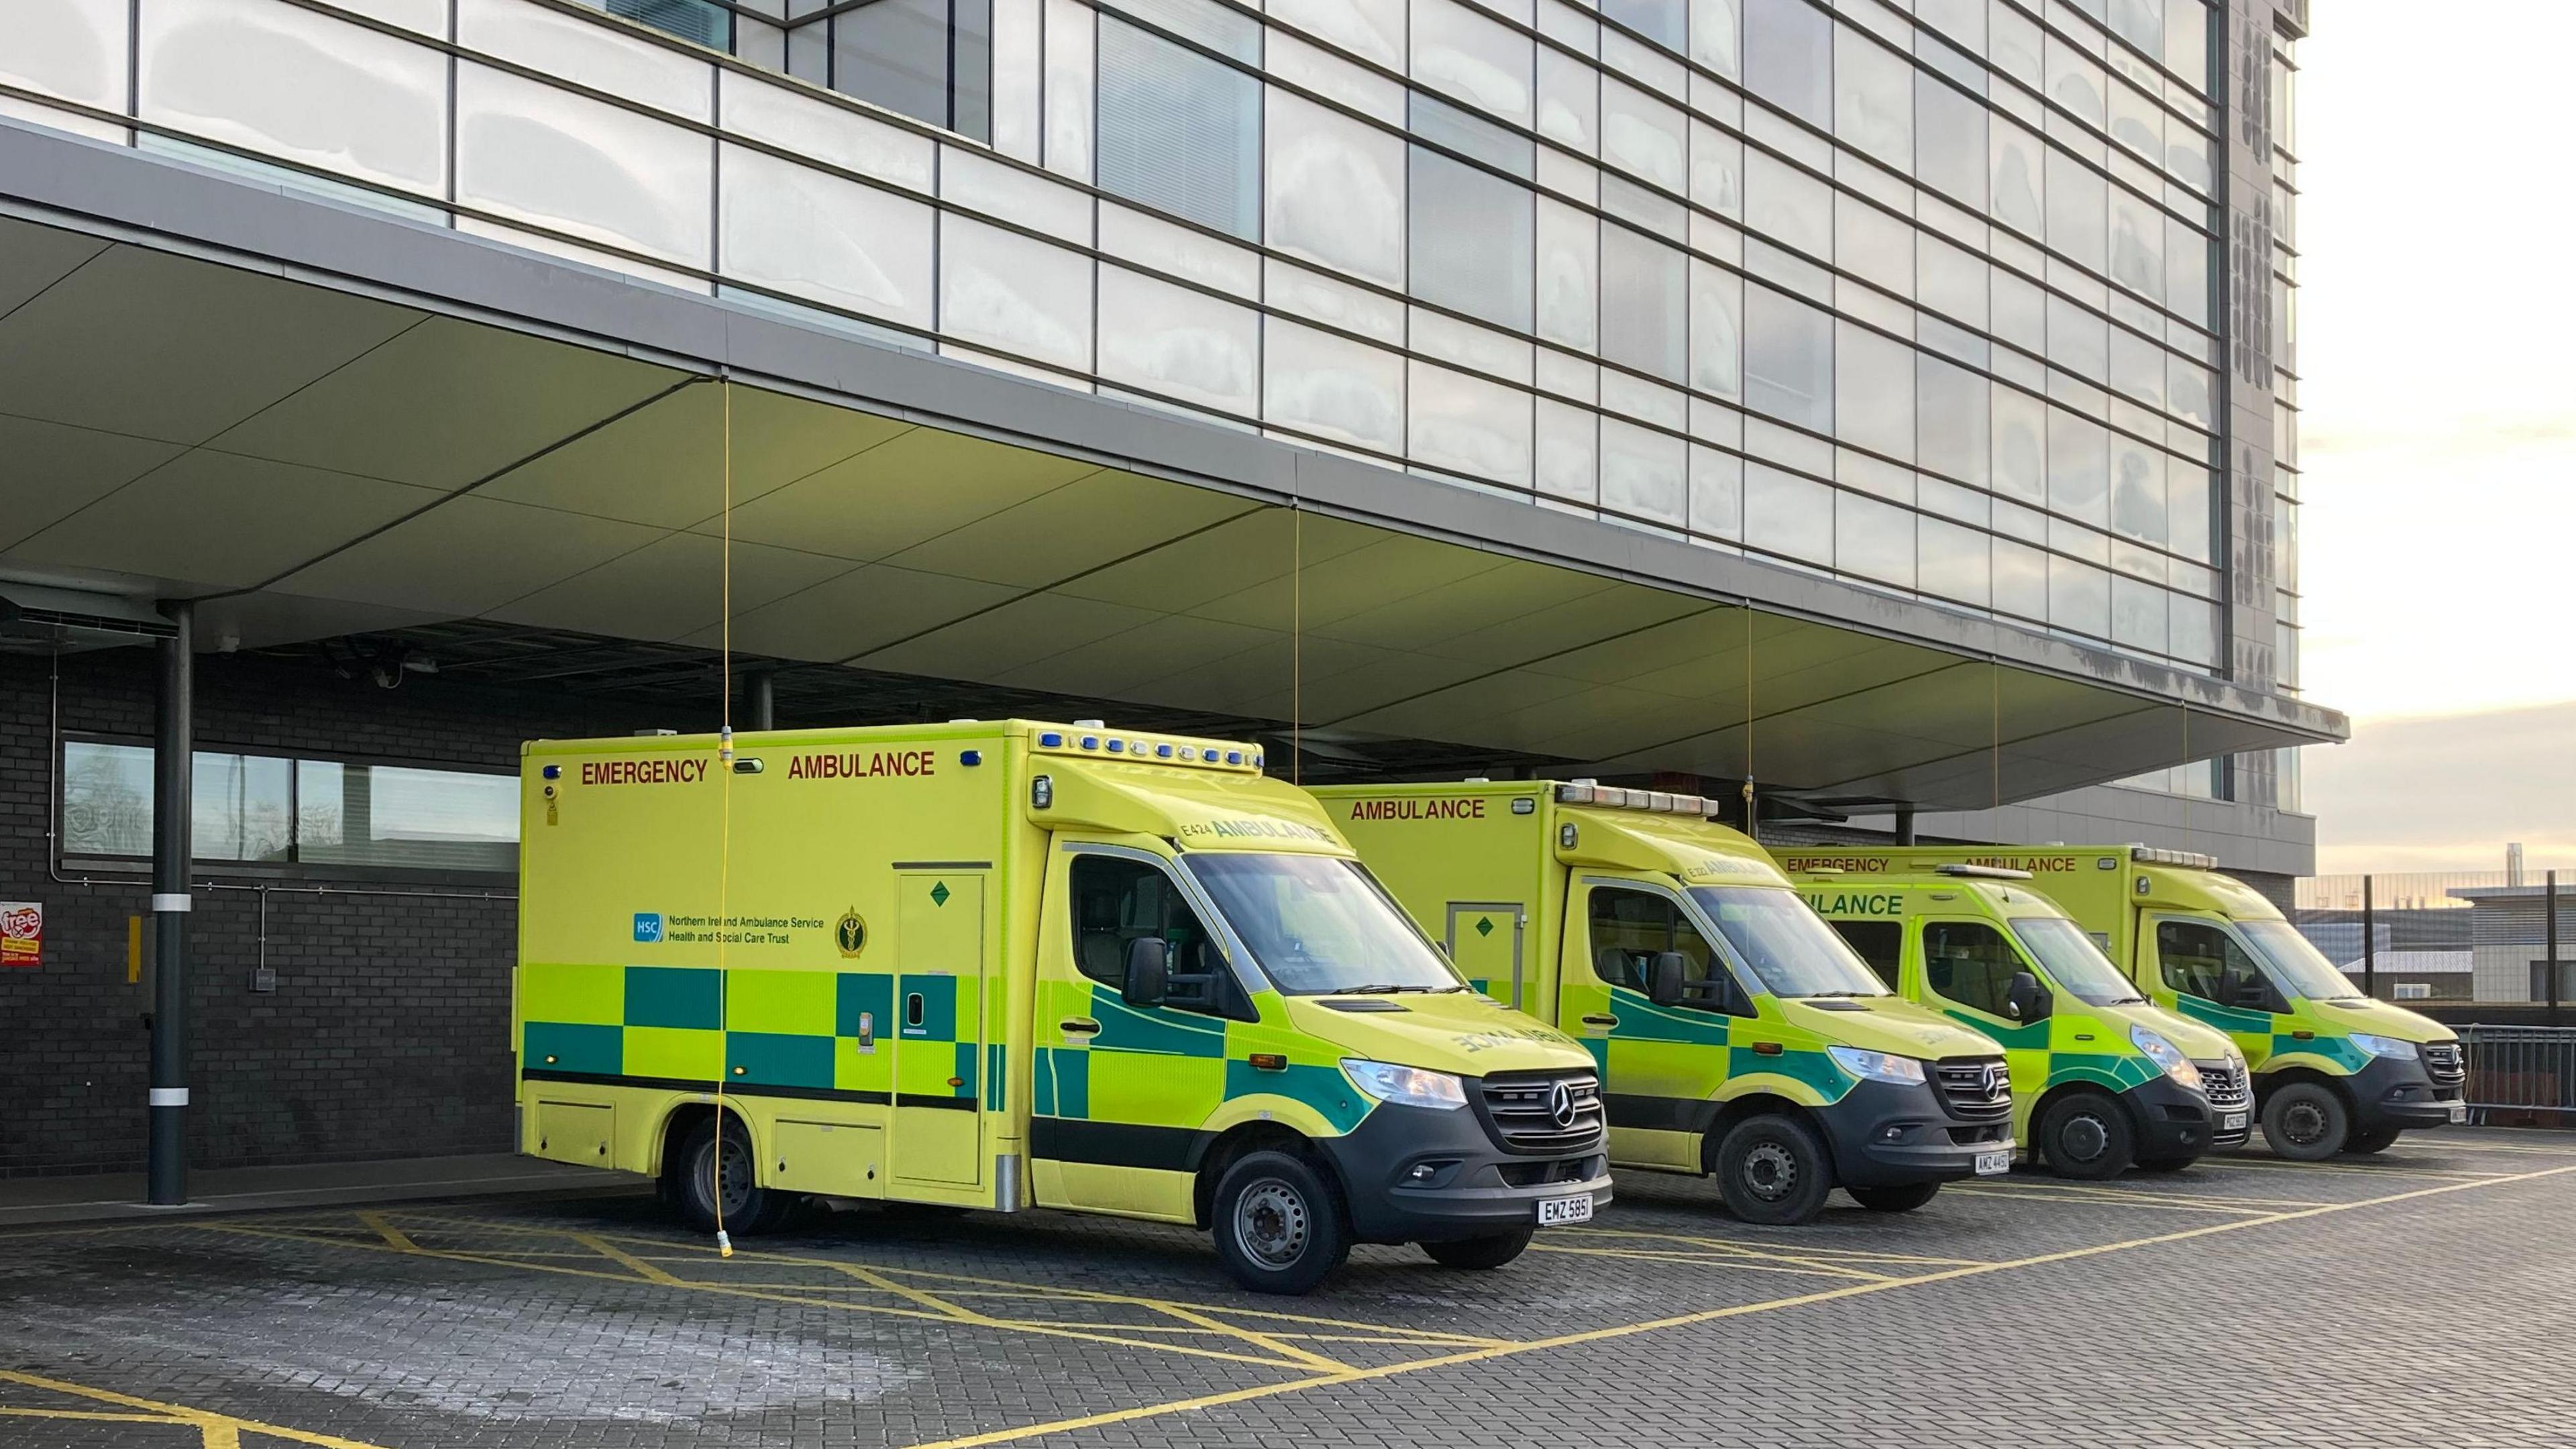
(1318, 926)
(1786, 945)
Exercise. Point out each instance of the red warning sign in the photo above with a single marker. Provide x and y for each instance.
(22, 933)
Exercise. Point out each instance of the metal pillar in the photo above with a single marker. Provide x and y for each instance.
(2549, 910)
(174, 742)
(759, 700)
(2369, 946)
(1905, 825)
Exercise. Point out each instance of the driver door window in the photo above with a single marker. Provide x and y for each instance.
(1970, 962)
(1630, 928)
(2199, 959)
(1116, 902)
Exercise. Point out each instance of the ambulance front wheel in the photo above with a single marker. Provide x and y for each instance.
(1773, 1170)
(1491, 1251)
(705, 1167)
(2087, 1135)
(2306, 1121)
(1278, 1224)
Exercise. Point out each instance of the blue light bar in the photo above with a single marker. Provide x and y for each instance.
(1117, 747)
(1234, 757)
(1091, 742)
(970, 757)
(1162, 752)
(1051, 739)
(554, 772)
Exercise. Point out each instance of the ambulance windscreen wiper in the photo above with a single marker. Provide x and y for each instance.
(1376, 988)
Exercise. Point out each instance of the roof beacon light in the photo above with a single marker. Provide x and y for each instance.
(1981, 872)
(1576, 792)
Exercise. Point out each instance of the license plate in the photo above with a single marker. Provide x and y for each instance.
(1555, 1210)
(2459, 1111)
(1990, 1163)
(2231, 1122)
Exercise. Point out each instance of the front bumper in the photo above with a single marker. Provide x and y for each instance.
(2173, 1121)
(1885, 1135)
(2394, 1092)
(1471, 1188)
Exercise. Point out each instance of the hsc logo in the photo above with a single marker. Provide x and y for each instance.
(648, 927)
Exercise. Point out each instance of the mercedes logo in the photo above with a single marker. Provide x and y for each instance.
(1994, 1080)
(1560, 1105)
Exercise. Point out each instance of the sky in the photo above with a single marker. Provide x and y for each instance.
(2437, 360)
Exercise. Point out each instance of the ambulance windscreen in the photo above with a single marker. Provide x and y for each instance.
(1787, 945)
(1320, 927)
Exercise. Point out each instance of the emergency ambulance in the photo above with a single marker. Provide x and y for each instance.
(1737, 1036)
(2102, 1078)
(1013, 965)
(2334, 1071)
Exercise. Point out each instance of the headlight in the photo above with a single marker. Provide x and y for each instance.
(1877, 1066)
(2163, 1054)
(1406, 1086)
(2384, 1046)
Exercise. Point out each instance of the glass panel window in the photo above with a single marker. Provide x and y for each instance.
(1569, 259)
(1643, 136)
(2187, 509)
(1950, 142)
(1460, 52)
(1951, 561)
(693, 20)
(1470, 135)
(107, 799)
(1950, 280)
(2079, 597)
(1178, 131)
(929, 59)
(1787, 514)
(266, 78)
(2193, 627)
(1463, 424)
(824, 239)
(1472, 242)
(383, 815)
(2078, 341)
(1788, 359)
(1569, 101)
(1629, 929)
(2186, 272)
(1333, 387)
(1716, 493)
(2077, 204)
(1666, 22)
(2187, 42)
(2075, 81)
(2078, 467)
(2137, 490)
(1117, 903)
(2016, 200)
(2137, 614)
(1873, 98)
(2200, 959)
(531, 152)
(2020, 445)
(2020, 580)
(1717, 331)
(2137, 244)
(1372, 29)
(1714, 36)
(1013, 294)
(1336, 189)
(1874, 394)
(1969, 962)
(1788, 206)
(1951, 408)
(1642, 473)
(1644, 312)
(1177, 342)
(1874, 245)
(1789, 58)
(1874, 539)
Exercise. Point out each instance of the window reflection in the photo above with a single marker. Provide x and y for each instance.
(1178, 131)
(1788, 359)
(1789, 58)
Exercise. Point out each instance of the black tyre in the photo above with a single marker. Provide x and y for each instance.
(1278, 1224)
(1773, 1171)
(1492, 1251)
(2086, 1135)
(1903, 1198)
(2306, 1122)
(2377, 1139)
(693, 1174)
(2165, 1164)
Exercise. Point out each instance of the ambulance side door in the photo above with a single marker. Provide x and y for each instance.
(1968, 967)
(1662, 1066)
(2197, 967)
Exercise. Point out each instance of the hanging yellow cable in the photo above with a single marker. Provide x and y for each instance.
(724, 797)
(1296, 645)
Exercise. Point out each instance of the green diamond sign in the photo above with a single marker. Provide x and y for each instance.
(1484, 925)
(939, 893)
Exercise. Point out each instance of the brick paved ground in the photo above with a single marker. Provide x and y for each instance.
(2422, 1297)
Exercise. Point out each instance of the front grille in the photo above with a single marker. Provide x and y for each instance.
(1522, 1109)
(1545, 1174)
(1975, 1088)
(2444, 1063)
(2225, 1085)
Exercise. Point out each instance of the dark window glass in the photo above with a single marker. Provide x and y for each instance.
(1631, 928)
(929, 59)
(1666, 22)
(1880, 943)
(1971, 963)
(1472, 239)
(279, 811)
(1179, 132)
(2199, 959)
(708, 25)
(1117, 902)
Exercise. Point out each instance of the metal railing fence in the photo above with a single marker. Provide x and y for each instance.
(2520, 1076)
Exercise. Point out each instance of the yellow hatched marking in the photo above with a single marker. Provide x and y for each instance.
(214, 1431)
(386, 1230)
(1741, 1310)
(627, 1260)
(2269, 1164)
(1744, 1263)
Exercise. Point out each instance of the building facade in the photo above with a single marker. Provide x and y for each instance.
(1893, 403)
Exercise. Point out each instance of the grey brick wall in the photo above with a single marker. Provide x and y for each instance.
(388, 1031)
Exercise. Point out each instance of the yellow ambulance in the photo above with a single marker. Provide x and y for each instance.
(2334, 1070)
(1013, 965)
(2103, 1079)
(1736, 1034)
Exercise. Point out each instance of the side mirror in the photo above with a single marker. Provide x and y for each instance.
(1668, 978)
(2025, 999)
(1149, 972)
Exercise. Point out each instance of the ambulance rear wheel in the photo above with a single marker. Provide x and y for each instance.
(1773, 1171)
(1902, 1198)
(703, 1162)
(1492, 1251)
(2086, 1135)
(2306, 1122)
(1278, 1224)
(2378, 1139)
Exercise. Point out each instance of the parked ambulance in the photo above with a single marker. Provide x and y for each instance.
(2334, 1071)
(1013, 965)
(1736, 1034)
(2103, 1079)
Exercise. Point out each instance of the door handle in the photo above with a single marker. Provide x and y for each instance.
(1078, 1025)
(1600, 1021)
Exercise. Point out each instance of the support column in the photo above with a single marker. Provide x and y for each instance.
(760, 700)
(1905, 825)
(174, 740)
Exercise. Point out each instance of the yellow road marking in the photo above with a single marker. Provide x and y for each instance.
(1712, 1260)
(618, 1256)
(386, 1230)
(1826, 1295)
(16, 1411)
(214, 1431)
(2274, 1164)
